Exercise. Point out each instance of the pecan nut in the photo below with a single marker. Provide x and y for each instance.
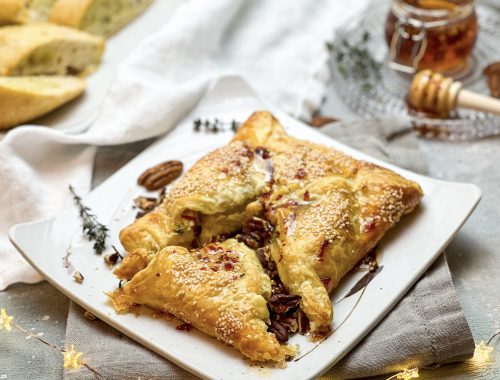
(160, 175)
(145, 203)
(319, 121)
(493, 74)
(258, 228)
(279, 331)
(283, 303)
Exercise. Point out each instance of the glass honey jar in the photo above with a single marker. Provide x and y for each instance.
(431, 34)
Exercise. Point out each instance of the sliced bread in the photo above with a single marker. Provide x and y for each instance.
(38, 10)
(101, 17)
(43, 48)
(12, 12)
(25, 98)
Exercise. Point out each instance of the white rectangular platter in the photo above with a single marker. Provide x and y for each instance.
(405, 252)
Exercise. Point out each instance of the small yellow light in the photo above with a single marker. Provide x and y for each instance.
(408, 374)
(72, 358)
(482, 353)
(5, 320)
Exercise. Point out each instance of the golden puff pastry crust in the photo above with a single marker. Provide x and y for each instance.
(209, 200)
(312, 213)
(329, 210)
(221, 289)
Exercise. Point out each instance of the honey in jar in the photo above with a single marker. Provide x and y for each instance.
(431, 34)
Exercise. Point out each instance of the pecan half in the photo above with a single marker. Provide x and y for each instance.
(279, 331)
(145, 203)
(283, 303)
(160, 175)
(258, 227)
(493, 74)
(319, 121)
(303, 322)
(290, 323)
(261, 255)
(248, 240)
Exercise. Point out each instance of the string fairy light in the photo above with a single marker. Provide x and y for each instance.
(483, 351)
(71, 359)
(406, 374)
(482, 355)
(5, 320)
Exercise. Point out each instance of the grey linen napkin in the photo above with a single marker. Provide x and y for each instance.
(427, 326)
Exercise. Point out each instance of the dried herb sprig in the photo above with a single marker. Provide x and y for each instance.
(215, 125)
(92, 228)
(357, 62)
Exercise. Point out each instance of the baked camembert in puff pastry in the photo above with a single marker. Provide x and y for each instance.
(249, 243)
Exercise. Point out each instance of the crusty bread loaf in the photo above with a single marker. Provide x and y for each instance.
(43, 48)
(38, 10)
(101, 17)
(25, 98)
(22, 11)
(12, 12)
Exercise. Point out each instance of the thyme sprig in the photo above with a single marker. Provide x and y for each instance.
(215, 125)
(356, 61)
(92, 228)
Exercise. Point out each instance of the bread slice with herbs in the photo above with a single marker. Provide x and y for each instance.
(39, 10)
(25, 98)
(22, 11)
(47, 49)
(101, 17)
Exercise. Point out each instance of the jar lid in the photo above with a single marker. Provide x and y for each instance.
(431, 13)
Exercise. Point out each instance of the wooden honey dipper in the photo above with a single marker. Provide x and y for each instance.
(433, 92)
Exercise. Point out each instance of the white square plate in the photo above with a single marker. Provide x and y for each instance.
(405, 252)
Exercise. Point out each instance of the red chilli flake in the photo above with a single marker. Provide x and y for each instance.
(301, 173)
(228, 266)
(370, 226)
(248, 152)
(263, 152)
(322, 250)
(184, 327)
(307, 197)
(326, 281)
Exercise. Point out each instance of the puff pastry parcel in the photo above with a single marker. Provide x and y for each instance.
(329, 210)
(308, 212)
(209, 201)
(220, 289)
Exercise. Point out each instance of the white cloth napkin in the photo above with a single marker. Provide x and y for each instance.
(279, 46)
